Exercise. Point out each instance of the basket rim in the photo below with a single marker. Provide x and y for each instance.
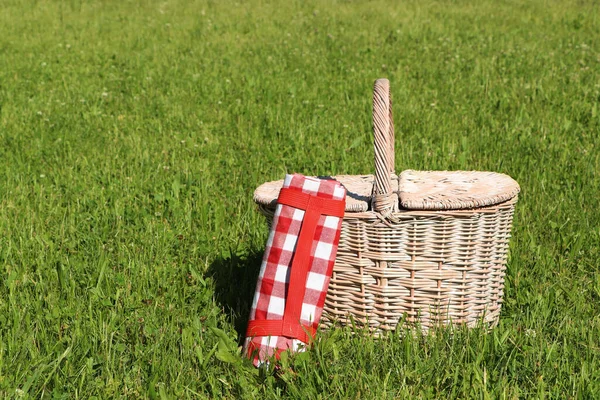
(417, 191)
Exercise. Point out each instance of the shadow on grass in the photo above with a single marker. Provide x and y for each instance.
(235, 282)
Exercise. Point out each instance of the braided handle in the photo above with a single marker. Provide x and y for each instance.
(384, 200)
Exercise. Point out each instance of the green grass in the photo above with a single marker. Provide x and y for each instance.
(132, 135)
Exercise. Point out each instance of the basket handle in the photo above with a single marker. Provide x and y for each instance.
(385, 201)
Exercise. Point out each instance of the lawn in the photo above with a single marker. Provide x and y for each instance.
(132, 136)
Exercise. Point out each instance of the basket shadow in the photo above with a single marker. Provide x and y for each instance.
(235, 282)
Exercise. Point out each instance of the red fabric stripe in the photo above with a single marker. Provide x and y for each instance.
(304, 333)
(300, 266)
(303, 201)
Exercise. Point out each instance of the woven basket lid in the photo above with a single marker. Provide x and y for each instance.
(418, 190)
(454, 190)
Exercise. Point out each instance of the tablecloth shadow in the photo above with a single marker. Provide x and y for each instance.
(235, 282)
(354, 195)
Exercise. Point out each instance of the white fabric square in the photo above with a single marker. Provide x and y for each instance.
(263, 268)
(254, 304)
(339, 192)
(315, 281)
(269, 341)
(270, 239)
(331, 222)
(277, 211)
(298, 215)
(276, 305)
(308, 312)
(323, 250)
(298, 346)
(273, 341)
(281, 273)
(290, 242)
(310, 185)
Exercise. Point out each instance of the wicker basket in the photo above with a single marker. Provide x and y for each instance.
(429, 248)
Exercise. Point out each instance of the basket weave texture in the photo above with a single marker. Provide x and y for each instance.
(426, 247)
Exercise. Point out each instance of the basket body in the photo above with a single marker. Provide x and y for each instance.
(426, 247)
(428, 268)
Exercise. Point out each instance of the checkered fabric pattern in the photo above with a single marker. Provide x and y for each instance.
(273, 281)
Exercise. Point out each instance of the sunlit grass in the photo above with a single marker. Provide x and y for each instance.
(132, 135)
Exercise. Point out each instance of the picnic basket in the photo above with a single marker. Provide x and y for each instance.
(425, 247)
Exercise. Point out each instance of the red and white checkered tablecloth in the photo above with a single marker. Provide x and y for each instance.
(296, 267)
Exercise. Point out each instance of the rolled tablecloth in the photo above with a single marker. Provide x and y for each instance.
(296, 267)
